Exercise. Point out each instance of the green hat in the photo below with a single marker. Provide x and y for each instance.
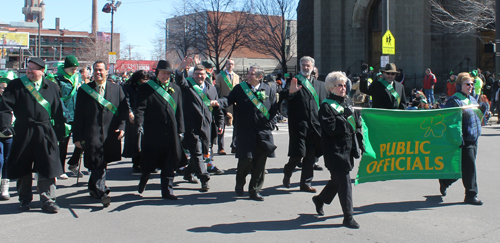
(71, 61)
(4, 80)
(208, 64)
(371, 68)
(474, 73)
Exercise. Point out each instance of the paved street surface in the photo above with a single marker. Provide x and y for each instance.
(390, 211)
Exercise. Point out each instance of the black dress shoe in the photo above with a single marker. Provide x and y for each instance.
(256, 196)
(307, 189)
(349, 222)
(239, 190)
(442, 188)
(473, 201)
(50, 207)
(25, 206)
(169, 196)
(286, 181)
(143, 182)
(233, 150)
(319, 205)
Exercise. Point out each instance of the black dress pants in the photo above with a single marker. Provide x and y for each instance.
(340, 183)
(469, 179)
(256, 166)
(307, 162)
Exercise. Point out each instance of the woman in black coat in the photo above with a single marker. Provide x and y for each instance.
(131, 148)
(339, 141)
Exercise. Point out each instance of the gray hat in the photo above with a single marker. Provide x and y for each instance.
(38, 61)
(164, 66)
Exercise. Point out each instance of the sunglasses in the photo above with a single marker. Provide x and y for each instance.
(390, 73)
(340, 85)
(469, 84)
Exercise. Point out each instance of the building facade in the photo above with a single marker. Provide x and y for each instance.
(342, 34)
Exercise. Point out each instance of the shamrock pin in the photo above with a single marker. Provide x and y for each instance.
(170, 90)
(434, 126)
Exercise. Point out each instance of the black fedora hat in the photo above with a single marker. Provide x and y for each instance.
(164, 65)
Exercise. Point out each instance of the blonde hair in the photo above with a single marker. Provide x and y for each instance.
(462, 77)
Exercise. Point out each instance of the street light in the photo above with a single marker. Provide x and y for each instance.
(111, 8)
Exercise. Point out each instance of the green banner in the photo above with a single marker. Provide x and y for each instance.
(423, 144)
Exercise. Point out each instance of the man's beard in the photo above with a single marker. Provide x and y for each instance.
(307, 74)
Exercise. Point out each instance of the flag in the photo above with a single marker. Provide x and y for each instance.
(403, 144)
(104, 36)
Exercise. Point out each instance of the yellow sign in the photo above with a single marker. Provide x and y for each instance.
(388, 43)
(14, 40)
(112, 53)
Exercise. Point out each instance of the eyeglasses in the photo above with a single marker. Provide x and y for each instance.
(340, 85)
(391, 73)
(469, 84)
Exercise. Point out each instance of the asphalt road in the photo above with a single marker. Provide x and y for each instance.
(389, 211)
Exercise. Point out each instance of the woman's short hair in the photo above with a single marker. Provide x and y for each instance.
(462, 77)
(334, 77)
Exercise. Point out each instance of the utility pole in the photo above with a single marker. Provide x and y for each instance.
(385, 19)
(129, 47)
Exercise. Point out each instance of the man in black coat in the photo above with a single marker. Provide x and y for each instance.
(203, 120)
(304, 96)
(386, 93)
(255, 139)
(100, 117)
(37, 106)
(159, 113)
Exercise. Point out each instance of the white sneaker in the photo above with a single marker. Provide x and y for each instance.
(63, 177)
(5, 190)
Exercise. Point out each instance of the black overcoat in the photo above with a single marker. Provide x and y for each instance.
(200, 123)
(338, 136)
(303, 117)
(162, 127)
(382, 97)
(35, 139)
(130, 146)
(96, 125)
(253, 127)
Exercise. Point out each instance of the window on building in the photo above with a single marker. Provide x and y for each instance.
(55, 39)
(74, 40)
(80, 41)
(74, 50)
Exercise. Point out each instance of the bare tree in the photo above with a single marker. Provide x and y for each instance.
(220, 32)
(182, 30)
(463, 17)
(94, 49)
(276, 33)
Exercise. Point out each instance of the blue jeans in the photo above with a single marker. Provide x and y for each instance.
(5, 144)
(429, 93)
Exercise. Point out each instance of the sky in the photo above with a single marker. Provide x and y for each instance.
(135, 20)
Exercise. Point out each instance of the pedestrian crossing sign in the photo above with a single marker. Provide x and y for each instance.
(388, 43)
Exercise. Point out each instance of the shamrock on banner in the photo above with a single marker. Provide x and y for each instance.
(423, 144)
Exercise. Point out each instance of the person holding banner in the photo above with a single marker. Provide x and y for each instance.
(69, 81)
(339, 125)
(100, 116)
(203, 120)
(471, 130)
(159, 114)
(38, 109)
(304, 96)
(256, 109)
(386, 93)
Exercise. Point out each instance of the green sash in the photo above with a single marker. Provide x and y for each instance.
(224, 76)
(108, 105)
(199, 91)
(254, 99)
(75, 79)
(39, 98)
(468, 102)
(389, 87)
(336, 106)
(163, 94)
(309, 87)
